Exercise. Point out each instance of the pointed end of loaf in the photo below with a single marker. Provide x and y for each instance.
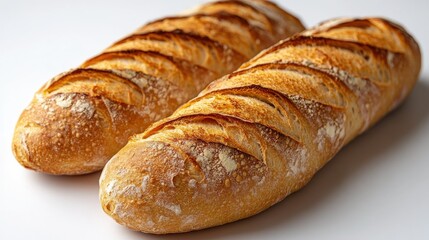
(63, 135)
(142, 189)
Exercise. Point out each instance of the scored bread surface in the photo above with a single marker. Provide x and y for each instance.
(81, 118)
(259, 134)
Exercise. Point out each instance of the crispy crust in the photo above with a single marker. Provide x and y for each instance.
(255, 136)
(79, 119)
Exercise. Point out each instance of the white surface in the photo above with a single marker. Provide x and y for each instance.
(375, 188)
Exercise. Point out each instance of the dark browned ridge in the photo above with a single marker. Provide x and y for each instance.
(354, 47)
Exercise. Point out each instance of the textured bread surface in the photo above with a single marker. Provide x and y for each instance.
(259, 134)
(81, 118)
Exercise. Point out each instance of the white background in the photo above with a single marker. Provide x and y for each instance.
(375, 188)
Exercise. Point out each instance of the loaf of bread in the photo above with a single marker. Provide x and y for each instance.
(81, 118)
(259, 134)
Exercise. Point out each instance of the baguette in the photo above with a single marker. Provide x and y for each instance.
(259, 134)
(81, 118)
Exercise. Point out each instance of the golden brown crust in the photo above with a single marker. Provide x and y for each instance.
(166, 43)
(255, 136)
(79, 119)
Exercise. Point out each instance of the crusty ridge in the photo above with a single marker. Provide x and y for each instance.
(79, 119)
(255, 136)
